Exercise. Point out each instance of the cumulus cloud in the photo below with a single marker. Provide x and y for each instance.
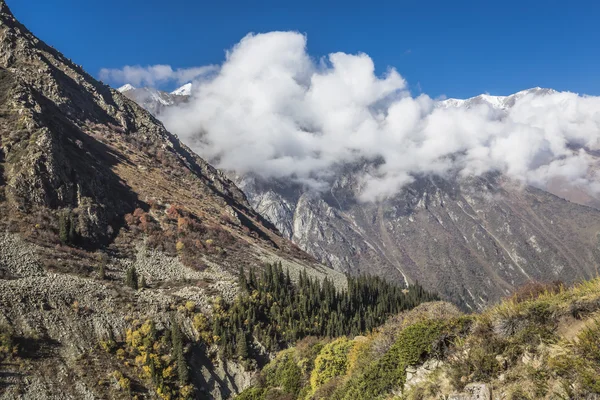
(154, 75)
(274, 111)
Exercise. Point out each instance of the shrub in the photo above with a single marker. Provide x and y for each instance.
(475, 358)
(360, 355)
(332, 361)
(533, 289)
(580, 368)
(284, 373)
(252, 393)
(122, 382)
(413, 344)
(588, 343)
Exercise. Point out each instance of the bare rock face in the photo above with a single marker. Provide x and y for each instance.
(473, 391)
(472, 240)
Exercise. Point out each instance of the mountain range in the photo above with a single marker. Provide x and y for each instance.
(473, 240)
(130, 267)
(155, 100)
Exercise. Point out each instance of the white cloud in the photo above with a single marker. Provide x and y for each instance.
(154, 74)
(273, 110)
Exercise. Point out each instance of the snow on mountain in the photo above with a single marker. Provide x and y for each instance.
(495, 102)
(125, 88)
(155, 100)
(185, 90)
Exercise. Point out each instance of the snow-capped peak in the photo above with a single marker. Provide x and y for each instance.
(126, 88)
(495, 102)
(185, 90)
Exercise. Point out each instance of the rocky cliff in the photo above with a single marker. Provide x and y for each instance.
(472, 240)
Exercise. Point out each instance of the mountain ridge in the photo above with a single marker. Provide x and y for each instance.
(495, 102)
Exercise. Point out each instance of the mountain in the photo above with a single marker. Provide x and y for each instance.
(118, 243)
(155, 100)
(561, 187)
(473, 240)
(495, 102)
(185, 90)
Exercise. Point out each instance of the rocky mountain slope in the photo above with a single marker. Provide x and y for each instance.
(472, 240)
(97, 199)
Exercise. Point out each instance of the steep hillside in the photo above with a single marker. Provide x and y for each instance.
(542, 343)
(111, 225)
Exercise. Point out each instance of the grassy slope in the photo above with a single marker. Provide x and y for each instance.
(544, 343)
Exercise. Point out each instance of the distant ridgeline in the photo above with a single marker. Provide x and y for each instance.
(276, 312)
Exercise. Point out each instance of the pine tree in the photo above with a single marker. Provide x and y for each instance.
(64, 222)
(308, 307)
(241, 346)
(177, 350)
(131, 279)
(242, 280)
(72, 232)
(102, 261)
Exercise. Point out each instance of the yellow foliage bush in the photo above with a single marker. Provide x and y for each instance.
(190, 306)
(123, 382)
(332, 361)
(168, 372)
(186, 392)
(121, 354)
(146, 328)
(360, 354)
(108, 345)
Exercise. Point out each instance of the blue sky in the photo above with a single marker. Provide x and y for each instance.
(453, 48)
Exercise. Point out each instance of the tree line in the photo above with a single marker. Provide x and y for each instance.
(275, 312)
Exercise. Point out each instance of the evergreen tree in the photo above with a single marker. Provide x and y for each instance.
(308, 308)
(243, 283)
(64, 227)
(242, 345)
(102, 262)
(177, 351)
(131, 278)
(72, 235)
